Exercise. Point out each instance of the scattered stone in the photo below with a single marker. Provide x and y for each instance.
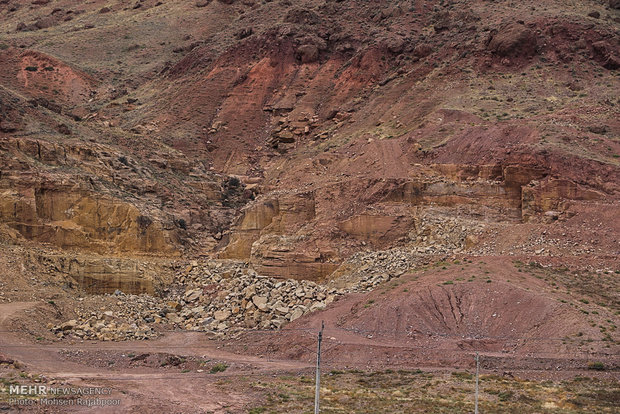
(176, 306)
(260, 302)
(243, 33)
(221, 315)
(64, 129)
(22, 27)
(598, 129)
(221, 298)
(192, 295)
(422, 51)
(6, 360)
(68, 325)
(296, 314)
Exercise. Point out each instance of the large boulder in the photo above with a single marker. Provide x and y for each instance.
(513, 40)
(67, 326)
(422, 50)
(605, 53)
(45, 22)
(308, 53)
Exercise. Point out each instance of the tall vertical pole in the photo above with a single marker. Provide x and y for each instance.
(318, 370)
(477, 374)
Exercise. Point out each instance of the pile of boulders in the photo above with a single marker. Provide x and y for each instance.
(130, 319)
(366, 270)
(226, 297)
(437, 234)
(287, 131)
(219, 297)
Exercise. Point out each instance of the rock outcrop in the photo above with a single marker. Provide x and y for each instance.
(74, 219)
(439, 208)
(553, 195)
(513, 40)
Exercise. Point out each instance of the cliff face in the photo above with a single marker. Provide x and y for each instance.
(72, 219)
(294, 134)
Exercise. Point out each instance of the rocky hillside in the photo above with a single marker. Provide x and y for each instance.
(294, 135)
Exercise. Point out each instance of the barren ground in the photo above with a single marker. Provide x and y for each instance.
(190, 189)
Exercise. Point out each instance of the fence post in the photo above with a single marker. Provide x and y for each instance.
(318, 370)
(477, 375)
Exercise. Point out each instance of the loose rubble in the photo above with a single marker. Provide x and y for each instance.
(367, 270)
(218, 297)
(226, 297)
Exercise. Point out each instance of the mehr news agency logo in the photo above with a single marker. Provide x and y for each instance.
(60, 396)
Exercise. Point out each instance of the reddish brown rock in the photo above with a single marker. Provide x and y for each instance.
(308, 53)
(513, 39)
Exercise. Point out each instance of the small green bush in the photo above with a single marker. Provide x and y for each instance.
(596, 366)
(219, 367)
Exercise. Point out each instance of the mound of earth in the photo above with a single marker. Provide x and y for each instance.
(450, 311)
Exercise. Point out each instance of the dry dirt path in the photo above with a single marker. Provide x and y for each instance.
(143, 388)
(170, 390)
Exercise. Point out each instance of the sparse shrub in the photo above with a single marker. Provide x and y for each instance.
(596, 366)
(219, 367)
(505, 395)
(462, 375)
(231, 187)
(32, 68)
(233, 182)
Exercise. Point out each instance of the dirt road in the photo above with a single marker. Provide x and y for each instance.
(143, 387)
